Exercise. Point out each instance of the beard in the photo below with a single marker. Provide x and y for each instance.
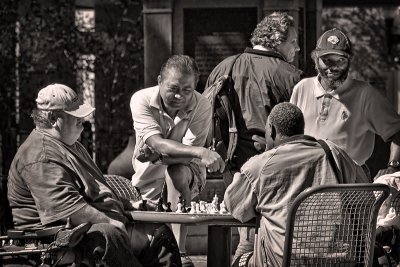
(340, 75)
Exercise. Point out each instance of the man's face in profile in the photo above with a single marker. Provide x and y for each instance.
(289, 48)
(176, 89)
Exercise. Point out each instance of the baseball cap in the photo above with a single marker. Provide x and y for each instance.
(60, 97)
(333, 41)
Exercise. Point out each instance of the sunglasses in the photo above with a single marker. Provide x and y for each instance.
(337, 62)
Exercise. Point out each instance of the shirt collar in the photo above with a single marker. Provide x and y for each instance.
(319, 91)
(265, 52)
(155, 101)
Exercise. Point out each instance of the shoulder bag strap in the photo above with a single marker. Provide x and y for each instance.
(233, 132)
(331, 159)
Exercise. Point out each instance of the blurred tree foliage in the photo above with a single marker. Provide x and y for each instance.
(366, 30)
(49, 45)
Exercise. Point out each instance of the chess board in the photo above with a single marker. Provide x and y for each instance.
(184, 218)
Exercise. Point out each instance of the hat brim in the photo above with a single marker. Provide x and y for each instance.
(330, 52)
(82, 111)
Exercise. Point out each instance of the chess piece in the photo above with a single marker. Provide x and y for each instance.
(223, 209)
(169, 207)
(203, 208)
(184, 210)
(198, 208)
(160, 207)
(179, 208)
(192, 207)
(144, 205)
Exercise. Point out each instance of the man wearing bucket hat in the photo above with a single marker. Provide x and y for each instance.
(346, 111)
(53, 178)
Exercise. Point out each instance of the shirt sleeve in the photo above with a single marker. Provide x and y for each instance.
(381, 116)
(240, 199)
(54, 189)
(199, 127)
(144, 122)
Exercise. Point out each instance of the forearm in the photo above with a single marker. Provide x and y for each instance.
(173, 148)
(89, 214)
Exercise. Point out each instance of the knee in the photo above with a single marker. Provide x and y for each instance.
(179, 175)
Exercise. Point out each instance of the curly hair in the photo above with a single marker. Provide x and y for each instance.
(43, 118)
(272, 30)
(183, 63)
(287, 119)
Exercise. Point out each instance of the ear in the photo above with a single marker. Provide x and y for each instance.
(159, 79)
(272, 131)
(53, 119)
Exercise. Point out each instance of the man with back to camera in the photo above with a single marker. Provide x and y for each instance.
(268, 182)
(263, 77)
(343, 110)
(52, 178)
(171, 122)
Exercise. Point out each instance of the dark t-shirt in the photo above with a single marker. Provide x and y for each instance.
(49, 180)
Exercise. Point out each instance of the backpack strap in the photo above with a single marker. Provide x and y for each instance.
(331, 160)
(233, 132)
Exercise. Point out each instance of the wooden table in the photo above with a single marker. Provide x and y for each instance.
(219, 247)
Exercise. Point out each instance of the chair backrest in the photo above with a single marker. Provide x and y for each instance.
(123, 187)
(333, 225)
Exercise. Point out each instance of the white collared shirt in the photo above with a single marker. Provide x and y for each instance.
(354, 113)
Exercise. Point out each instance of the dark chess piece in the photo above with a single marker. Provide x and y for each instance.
(184, 210)
(144, 205)
(160, 207)
(168, 207)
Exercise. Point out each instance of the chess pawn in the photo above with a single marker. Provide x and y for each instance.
(160, 207)
(179, 208)
(198, 208)
(223, 209)
(193, 207)
(215, 199)
(184, 210)
(169, 207)
(203, 208)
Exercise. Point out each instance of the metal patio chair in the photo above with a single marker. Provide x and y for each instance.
(123, 187)
(333, 225)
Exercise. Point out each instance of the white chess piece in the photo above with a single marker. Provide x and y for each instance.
(193, 207)
(223, 209)
(198, 208)
(179, 208)
(203, 208)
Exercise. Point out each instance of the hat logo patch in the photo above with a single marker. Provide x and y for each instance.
(333, 39)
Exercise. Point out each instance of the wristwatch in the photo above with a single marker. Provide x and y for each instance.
(394, 164)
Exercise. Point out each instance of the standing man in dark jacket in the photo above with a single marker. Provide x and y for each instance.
(263, 77)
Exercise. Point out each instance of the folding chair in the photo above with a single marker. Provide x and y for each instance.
(333, 225)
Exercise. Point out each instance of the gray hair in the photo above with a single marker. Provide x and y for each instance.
(44, 119)
(272, 30)
(181, 63)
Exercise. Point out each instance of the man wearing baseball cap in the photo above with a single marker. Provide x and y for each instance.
(346, 111)
(53, 178)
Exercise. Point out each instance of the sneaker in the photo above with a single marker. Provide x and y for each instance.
(186, 261)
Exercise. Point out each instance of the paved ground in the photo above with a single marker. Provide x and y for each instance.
(199, 260)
